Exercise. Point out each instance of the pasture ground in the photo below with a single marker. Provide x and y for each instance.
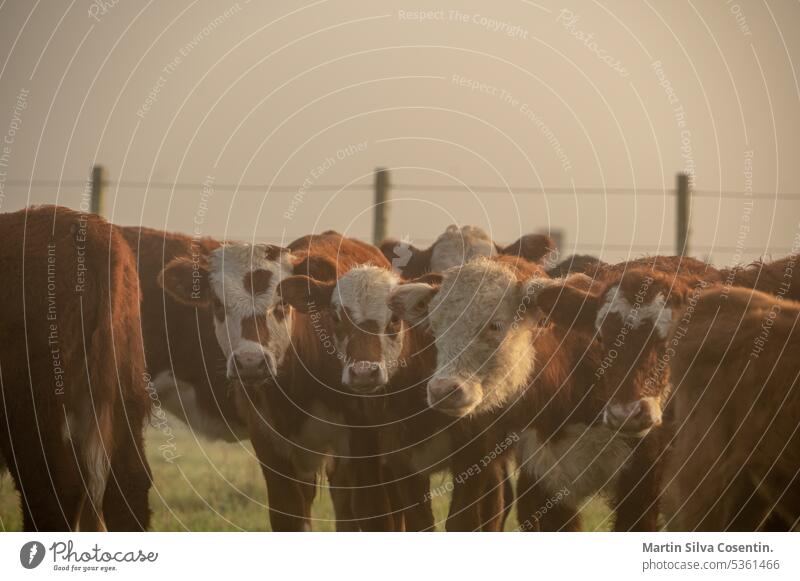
(216, 486)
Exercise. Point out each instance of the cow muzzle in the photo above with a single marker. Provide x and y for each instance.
(452, 396)
(365, 376)
(637, 417)
(251, 367)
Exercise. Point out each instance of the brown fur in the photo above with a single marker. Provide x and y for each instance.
(779, 277)
(180, 338)
(736, 458)
(90, 323)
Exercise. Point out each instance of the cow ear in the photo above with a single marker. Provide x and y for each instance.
(399, 253)
(569, 306)
(318, 267)
(186, 281)
(410, 301)
(536, 248)
(306, 294)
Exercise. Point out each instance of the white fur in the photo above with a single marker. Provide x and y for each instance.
(228, 266)
(584, 460)
(656, 311)
(365, 291)
(469, 301)
(457, 246)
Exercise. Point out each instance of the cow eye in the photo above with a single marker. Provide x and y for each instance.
(280, 311)
(496, 326)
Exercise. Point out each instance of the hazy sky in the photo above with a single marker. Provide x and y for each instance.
(595, 96)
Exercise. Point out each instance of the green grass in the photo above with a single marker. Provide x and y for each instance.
(216, 486)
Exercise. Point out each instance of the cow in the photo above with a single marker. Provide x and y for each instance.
(735, 462)
(778, 277)
(496, 361)
(72, 377)
(181, 348)
(287, 380)
(456, 246)
(503, 344)
(388, 363)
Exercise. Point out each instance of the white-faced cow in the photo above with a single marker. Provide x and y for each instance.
(74, 399)
(183, 355)
(493, 354)
(735, 462)
(456, 246)
(289, 378)
(388, 362)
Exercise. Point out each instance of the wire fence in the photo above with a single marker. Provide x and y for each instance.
(410, 188)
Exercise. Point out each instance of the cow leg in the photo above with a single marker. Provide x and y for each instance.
(493, 504)
(411, 500)
(341, 489)
(639, 486)
(125, 504)
(50, 485)
(538, 509)
(465, 513)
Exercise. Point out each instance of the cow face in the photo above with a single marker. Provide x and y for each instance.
(367, 335)
(633, 317)
(239, 281)
(483, 322)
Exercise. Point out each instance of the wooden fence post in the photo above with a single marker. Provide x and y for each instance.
(379, 230)
(98, 184)
(682, 214)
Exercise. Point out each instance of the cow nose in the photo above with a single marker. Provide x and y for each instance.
(636, 416)
(449, 396)
(251, 367)
(366, 374)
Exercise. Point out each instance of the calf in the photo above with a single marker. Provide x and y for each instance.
(74, 399)
(735, 463)
(387, 362)
(183, 355)
(552, 380)
(288, 380)
(459, 245)
(497, 363)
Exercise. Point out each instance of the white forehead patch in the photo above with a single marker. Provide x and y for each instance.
(472, 293)
(364, 290)
(657, 311)
(228, 266)
(457, 246)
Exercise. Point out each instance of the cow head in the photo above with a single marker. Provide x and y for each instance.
(367, 335)
(482, 318)
(239, 282)
(632, 315)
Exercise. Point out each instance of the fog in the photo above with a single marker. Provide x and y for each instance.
(252, 121)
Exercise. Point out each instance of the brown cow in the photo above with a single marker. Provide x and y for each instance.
(183, 355)
(289, 381)
(74, 399)
(735, 463)
(496, 361)
(388, 363)
(779, 277)
(488, 338)
(455, 246)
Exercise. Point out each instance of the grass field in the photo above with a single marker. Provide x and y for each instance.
(215, 486)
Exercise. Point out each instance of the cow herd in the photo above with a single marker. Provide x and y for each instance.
(664, 384)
